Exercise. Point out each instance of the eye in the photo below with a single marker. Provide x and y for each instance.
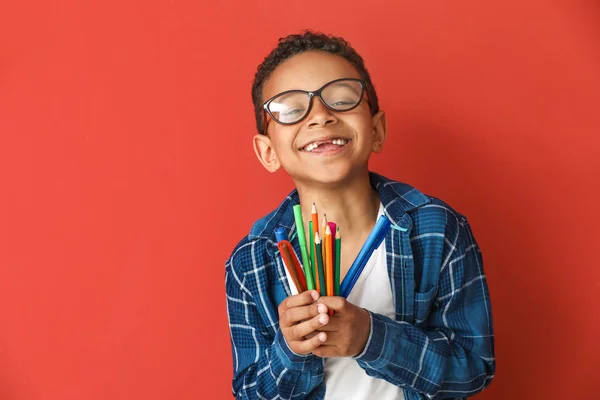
(340, 103)
(293, 111)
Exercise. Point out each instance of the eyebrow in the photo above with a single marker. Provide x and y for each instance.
(289, 93)
(349, 86)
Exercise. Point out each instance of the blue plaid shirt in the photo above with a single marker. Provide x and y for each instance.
(440, 344)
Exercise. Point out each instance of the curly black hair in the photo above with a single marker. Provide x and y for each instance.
(299, 43)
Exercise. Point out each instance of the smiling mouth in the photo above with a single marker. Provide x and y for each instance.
(325, 145)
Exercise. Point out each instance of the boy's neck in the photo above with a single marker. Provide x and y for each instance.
(352, 205)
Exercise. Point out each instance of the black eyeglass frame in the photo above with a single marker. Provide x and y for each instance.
(317, 93)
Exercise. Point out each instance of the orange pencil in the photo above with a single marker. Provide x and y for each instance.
(292, 264)
(315, 227)
(298, 266)
(289, 265)
(325, 225)
(315, 219)
(328, 262)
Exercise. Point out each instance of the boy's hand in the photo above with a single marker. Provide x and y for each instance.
(347, 330)
(300, 316)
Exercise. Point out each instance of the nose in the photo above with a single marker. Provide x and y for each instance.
(319, 115)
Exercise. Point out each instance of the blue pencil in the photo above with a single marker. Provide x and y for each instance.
(382, 226)
(280, 234)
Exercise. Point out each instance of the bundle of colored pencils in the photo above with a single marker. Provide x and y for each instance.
(322, 269)
(321, 263)
(325, 254)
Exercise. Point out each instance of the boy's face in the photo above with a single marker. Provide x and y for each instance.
(334, 160)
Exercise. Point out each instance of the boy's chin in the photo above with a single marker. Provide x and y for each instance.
(329, 176)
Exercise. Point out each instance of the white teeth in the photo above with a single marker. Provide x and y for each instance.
(311, 146)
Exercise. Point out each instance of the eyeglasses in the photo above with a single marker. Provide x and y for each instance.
(293, 106)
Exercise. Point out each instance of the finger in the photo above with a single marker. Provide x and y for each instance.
(309, 345)
(336, 303)
(301, 299)
(330, 326)
(310, 335)
(334, 338)
(298, 314)
(335, 323)
(341, 345)
(299, 331)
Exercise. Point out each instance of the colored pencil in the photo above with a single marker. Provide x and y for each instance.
(303, 250)
(280, 234)
(315, 229)
(323, 234)
(332, 227)
(328, 262)
(373, 241)
(291, 263)
(311, 243)
(319, 265)
(338, 258)
(315, 218)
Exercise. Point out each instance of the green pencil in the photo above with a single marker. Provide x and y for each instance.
(319, 265)
(338, 257)
(310, 285)
(311, 242)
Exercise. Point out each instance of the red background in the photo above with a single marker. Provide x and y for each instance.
(127, 176)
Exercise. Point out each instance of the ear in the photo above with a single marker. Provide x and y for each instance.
(265, 152)
(379, 131)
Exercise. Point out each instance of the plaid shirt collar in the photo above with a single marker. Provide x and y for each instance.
(397, 199)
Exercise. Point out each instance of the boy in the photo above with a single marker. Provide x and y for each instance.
(417, 324)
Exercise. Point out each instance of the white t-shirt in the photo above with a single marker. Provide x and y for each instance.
(344, 378)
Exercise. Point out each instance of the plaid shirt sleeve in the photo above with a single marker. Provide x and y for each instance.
(264, 366)
(449, 353)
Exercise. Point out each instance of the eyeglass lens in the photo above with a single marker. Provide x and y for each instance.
(290, 107)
